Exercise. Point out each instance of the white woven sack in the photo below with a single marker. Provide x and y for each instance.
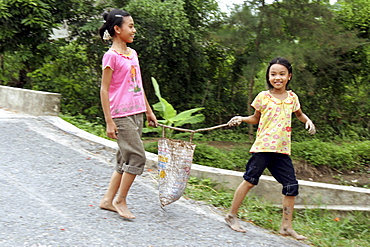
(174, 164)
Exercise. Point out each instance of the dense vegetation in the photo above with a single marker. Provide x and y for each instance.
(200, 56)
(324, 228)
(203, 58)
(207, 60)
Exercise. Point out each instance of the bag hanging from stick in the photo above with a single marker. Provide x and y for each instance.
(175, 158)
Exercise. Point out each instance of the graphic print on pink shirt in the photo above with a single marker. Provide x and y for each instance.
(136, 87)
(126, 94)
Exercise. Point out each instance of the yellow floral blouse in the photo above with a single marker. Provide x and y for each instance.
(274, 128)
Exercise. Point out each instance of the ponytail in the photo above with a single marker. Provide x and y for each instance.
(111, 19)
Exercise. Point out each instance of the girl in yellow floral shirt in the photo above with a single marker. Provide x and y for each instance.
(271, 149)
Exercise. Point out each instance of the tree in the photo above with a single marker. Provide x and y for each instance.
(355, 15)
(70, 74)
(323, 56)
(171, 48)
(26, 28)
(170, 115)
(305, 33)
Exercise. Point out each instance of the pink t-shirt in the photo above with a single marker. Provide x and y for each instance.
(274, 128)
(126, 93)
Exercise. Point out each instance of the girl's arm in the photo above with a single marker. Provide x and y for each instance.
(304, 119)
(252, 119)
(104, 97)
(152, 120)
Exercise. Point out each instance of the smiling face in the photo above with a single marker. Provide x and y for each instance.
(279, 76)
(126, 32)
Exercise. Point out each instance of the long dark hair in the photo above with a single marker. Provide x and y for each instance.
(285, 63)
(111, 19)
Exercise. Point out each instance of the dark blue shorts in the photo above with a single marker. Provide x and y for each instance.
(280, 166)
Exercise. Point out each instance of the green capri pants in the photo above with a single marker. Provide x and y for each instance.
(130, 156)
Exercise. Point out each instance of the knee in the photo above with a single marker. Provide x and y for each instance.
(247, 185)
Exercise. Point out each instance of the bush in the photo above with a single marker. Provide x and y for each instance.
(236, 135)
(234, 159)
(354, 156)
(80, 122)
(211, 156)
(71, 74)
(345, 156)
(207, 155)
(151, 147)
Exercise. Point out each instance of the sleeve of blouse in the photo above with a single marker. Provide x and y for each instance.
(296, 104)
(257, 102)
(108, 61)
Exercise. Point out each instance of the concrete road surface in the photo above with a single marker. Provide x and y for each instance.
(51, 183)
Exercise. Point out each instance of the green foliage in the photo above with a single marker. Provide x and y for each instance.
(204, 59)
(203, 190)
(328, 228)
(324, 228)
(326, 133)
(332, 74)
(81, 122)
(236, 134)
(234, 159)
(173, 41)
(27, 26)
(353, 156)
(344, 156)
(210, 156)
(25, 23)
(355, 14)
(151, 147)
(79, 90)
(11, 65)
(170, 116)
(207, 155)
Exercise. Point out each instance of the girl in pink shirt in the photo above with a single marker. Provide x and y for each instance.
(124, 103)
(271, 149)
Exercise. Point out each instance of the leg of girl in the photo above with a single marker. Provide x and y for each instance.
(232, 217)
(114, 184)
(254, 169)
(286, 228)
(120, 202)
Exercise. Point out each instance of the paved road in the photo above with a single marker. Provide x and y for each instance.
(51, 183)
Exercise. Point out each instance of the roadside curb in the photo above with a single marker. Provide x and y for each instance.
(312, 194)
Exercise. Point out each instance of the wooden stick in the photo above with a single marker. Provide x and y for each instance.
(193, 131)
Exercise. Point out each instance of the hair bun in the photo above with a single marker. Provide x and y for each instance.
(105, 15)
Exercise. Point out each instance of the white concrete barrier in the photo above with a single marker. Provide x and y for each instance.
(312, 194)
(32, 102)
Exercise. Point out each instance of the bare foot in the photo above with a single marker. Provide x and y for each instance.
(233, 222)
(107, 205)
(291, 232)
(122, 210)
